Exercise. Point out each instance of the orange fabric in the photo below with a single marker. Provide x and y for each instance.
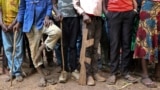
(156, 0)
(120, 5)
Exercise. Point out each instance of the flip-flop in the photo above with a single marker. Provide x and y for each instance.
(130, 79)
(149, 84)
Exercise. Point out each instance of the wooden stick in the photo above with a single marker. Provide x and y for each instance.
(83, 59)
(124, 86)
(62, 50)
(13, 54)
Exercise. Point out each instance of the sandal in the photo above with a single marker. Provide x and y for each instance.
(148, 82)
(130, 79)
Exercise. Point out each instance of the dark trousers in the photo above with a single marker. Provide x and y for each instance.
(49, 54)
(120, 26)
(70, 29)
(94, 31)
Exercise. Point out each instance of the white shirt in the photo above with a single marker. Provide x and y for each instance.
(93, 7)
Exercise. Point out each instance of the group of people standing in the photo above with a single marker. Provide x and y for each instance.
(33, 17)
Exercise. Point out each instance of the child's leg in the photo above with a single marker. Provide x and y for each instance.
(145, 76)
(157, 71)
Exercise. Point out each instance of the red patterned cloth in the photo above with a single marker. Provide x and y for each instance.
(148, 34)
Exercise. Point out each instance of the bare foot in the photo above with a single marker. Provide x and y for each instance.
(148, 83)
(52, 81)
(42, 82)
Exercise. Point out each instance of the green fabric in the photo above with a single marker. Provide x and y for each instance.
(134, 30)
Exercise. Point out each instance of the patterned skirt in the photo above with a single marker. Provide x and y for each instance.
(148, 34)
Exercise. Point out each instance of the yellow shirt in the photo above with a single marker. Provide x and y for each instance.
(9, 10)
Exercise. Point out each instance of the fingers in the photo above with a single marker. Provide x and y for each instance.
(4, 28)
(14, 29)
(50, 22)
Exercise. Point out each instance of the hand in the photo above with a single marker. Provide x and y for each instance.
(86, 18)
(4, 27)
(47, 21)
(16, 27)
(58, 17)
(106, 12)
(10, 27)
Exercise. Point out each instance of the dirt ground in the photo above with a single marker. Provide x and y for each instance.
(31, 82)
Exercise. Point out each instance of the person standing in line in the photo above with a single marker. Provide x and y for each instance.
(120, 15)
(70, 27)
(91, 11)
(148, 40)
(8, 14)
(34, 15)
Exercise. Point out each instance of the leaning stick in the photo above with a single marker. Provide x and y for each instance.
(63, 71)
(13, 54)
(83, 59)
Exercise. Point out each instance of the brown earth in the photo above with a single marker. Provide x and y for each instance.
(31, 82)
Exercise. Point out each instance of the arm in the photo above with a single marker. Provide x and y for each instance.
(4, 28)
(76, 5)
(55, 7)
(135, 5)
(1, 22)
(78, 8)
(21, 11)
(104, 6)
(20, 15)
(47, 21)
(49, 9)
(57, 16)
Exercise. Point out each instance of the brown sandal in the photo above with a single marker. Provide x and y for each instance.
(148, 82)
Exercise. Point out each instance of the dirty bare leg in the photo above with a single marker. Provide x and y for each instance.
(42, 82)
(38, 55)
(41, 71)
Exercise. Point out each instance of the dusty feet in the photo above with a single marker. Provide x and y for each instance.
(52, 81)
(19, 78)
(148, 82)
(111, 80)
(9, 78)
(42, 82)
(130, 78)
(45, 72)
